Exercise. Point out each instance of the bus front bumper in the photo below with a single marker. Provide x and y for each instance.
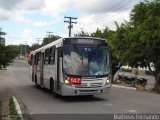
(73, 91)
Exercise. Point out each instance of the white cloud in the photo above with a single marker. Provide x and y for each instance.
(4, 15)
(101, 6)
(9, 4)
(93, 14)
(26, 37)
(54, 8)
(31, 5)
(40, 24)
(91, 21)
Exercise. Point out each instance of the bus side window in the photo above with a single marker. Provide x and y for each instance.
(52, 56)
(39, 57)
(46, 56)
(30, 61)
(36, 59)
(60, 52)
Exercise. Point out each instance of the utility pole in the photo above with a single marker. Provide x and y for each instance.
(38, 40)
(49, 35)
(25, 49)
(21, 48)
(70, 23)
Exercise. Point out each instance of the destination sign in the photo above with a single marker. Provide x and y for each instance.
(83, 41)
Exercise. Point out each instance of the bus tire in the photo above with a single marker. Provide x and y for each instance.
(36, 84)
(32, 77)
(51, 86)
(52, 89)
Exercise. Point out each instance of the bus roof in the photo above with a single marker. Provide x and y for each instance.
(59, 41)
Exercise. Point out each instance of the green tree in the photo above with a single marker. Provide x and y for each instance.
(7, 54)
(34, 47)
(147, 27)
(137, 42)
(82, 34)
(50, 39)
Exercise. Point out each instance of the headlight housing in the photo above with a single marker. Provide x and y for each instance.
(108, 79)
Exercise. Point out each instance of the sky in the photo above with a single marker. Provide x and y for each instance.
(26, 20)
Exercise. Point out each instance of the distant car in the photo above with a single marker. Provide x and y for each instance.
(21, 57)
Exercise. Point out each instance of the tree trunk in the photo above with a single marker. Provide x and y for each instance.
(157, 81)
(114, 69)
(113, 73)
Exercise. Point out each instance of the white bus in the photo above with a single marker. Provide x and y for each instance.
(72, 66)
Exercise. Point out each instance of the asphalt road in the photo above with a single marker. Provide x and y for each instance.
(40, 101)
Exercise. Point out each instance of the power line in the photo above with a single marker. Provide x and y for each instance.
(124, 5)
(70, 23)
(109, 11)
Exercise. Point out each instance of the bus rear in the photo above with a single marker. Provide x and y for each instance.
(85, 66)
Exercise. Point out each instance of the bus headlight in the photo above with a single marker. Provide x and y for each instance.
(108, 79)
(107, 82)
(66, 82)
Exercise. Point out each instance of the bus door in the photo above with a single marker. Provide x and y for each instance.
(58, 68)
(31, 68)
(41, 69)
(38, 67)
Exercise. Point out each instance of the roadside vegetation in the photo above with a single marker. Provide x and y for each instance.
(12, 110)
(7, 54)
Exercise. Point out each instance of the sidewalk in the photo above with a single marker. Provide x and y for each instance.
(7, 91)
(4, 91)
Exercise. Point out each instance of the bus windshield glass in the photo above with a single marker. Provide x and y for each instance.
(85, 61)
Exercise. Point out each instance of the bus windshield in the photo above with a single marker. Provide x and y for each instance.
(85, 61)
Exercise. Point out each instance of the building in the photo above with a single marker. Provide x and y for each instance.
(2, 41)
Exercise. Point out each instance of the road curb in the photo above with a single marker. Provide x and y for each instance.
(17, 108)
(129, 88)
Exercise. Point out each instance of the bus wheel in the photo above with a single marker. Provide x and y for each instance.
(36, 84)
(52, 89)
(51, 86)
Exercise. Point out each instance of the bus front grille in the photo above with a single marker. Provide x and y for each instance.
(87, 90)
(90, 85)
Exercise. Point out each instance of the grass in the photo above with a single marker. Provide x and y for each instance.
(12, 110)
